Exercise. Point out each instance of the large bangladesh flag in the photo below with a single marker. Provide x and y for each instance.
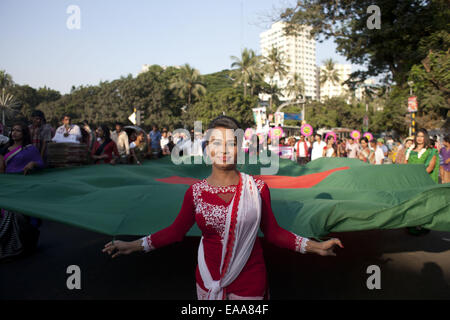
(327, 195)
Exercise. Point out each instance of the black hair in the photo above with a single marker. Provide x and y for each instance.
(106, 132)
(373, 141)
(38, 113)
(432, 142)
(365, 139)
(318, 135)
(426, 142)
(222, 122)
(447, 138)
(26, 136)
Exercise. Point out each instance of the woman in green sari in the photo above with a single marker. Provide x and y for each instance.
(423, 153)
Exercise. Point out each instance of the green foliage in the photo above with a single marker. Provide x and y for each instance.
(187, 84)
(334, 112)
(229, 101)
(393, 49)
(431, 77)
(275, 65)
(218, 81)
(28, 98)
(114, 101)
(295, 87)
(395, 113)
(153, 92)
(5, 80)
(329, 73)
(248, 71)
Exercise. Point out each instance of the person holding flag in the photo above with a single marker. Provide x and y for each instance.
(301, 150)
(229, 207)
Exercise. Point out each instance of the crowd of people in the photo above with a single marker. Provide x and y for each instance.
(419, 149)
(26, 148)
(123, 145)
(132, 145)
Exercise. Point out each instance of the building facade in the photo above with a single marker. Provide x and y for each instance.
(336, 89)
(298, 53)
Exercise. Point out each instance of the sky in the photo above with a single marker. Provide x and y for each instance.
(117, 37)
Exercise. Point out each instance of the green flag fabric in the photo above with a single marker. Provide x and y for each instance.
(327, 195)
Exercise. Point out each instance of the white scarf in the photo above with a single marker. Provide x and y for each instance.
(246, 231)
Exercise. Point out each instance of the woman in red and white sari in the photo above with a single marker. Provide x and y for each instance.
(229, 207)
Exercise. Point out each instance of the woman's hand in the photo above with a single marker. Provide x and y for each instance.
(118, 247)
(30, 166)
(325, 248)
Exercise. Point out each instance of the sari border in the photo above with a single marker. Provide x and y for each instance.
(233, 222)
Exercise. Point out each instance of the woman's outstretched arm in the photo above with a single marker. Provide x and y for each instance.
(286, 239)
(174, 233)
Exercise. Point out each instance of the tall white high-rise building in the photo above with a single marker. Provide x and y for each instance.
(299, 54)
(336, 89)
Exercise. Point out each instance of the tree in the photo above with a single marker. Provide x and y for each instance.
(394, 115)
(295, 87)
(218, 81)
(248, 69)
(5, 80)
(230, 101)
(8, 105)
(391, 50)
(188, 84)
(274, 93)
(431, 81)
(274, 65)
(329, 73)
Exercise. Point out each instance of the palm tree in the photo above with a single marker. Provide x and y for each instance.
(7, 105)
(274, 93)
(187, 84)
(274, 65)
(295, 87)
(247, 70)
(329, 73)
(5, 79)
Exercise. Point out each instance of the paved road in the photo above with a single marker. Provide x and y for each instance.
(411, 268)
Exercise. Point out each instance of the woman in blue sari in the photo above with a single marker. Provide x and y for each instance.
(19, 234)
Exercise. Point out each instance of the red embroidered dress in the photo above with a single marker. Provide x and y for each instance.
(203, 205)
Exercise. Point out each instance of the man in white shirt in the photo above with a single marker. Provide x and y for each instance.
(164, 139)
(317, 149)
(352, 149)
(120, 137)
(301, 150)
(67, 133)
(379, 152)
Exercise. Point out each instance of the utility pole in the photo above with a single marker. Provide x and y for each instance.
(412, 127)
